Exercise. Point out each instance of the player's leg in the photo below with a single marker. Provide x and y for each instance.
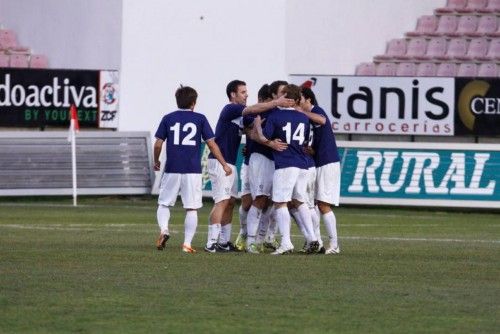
(246, 202)
(168, 191)
(300, 197)
(191, 195)
(328, 194)
(226, 227)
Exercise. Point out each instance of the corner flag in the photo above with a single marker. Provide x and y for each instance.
(73, 128)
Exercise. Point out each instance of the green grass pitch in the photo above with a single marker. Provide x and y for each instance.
(95, 269)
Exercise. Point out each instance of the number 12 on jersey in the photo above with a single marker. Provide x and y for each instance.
(188, 132)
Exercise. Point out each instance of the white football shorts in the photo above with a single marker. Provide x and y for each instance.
(328, 183)
(245, 181)
(223, 187)
(288, 183)
(189, 186)
(260, 173)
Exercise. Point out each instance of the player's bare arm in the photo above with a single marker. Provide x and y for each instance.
(214, 148)
(315, 118)
(264, 106)
(257, 135)
(156, 153)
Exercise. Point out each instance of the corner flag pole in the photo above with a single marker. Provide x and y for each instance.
(73, 128)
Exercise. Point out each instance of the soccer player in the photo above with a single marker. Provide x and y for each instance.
(225, 188)
(183, 130)
(327, 160)
(289, 179)
(263, 95)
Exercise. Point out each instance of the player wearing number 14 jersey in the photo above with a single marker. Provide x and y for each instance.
(183, 131)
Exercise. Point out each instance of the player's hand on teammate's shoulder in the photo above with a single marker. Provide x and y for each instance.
(157, 165)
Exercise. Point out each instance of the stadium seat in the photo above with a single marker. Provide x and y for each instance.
(19, 60)
(446, 70)
(477, 49)
(493, 6)
(467, 70)
(487, 70)
(494, 34)
(4, 60)
(452, 6)
(426, 25)
(447, 26)
(416, 48)
(435, 48)
(39, 61)
(473, 6)
(366, 69)
(386, 69)
(406, 70)
(395, 48)
(426, 70)
(457, 48)
(493, 52)
(488, 24)
(467, 25)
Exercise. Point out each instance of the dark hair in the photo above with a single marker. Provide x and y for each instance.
(232, 87)
(309, 95)
(264, 93)
(292, 92)
(185, 97)
(273, 87)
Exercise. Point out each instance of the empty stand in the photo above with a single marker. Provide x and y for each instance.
(493, 6)
(406, 70)
(487, 70)
(452, 6)
(426, 70)
(396, 48)
(366, 69)
(386, 69)
(477, 49)
(426, 25)
(446, 70)
(4, 60)
(467, 70)
(488, 24)
(493, 52)
(473, 6)
(457, 48)
(467, 25)
(447, 26)
(19, 60)
(435, 49)
(416, 48)
(39, 61)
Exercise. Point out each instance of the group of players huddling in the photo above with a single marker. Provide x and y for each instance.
(291, 168)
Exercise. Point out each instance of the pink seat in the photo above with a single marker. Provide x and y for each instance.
(473, 6)
(467, 70)
(426, 70)
(446, 70)
(366, 69)
(426, 25)
(493, 52)
(488, 24)
(8, 39)
(395, 48)
(457, 48)
(39, 61)
(406, 70)
(452, 6)
(435, 48)
(493, 6)
(19, 60)
(467, 25)
(494, 34)
(386, 69)
(4, 60)
(416, 48)
(487, 70)
(447, 26)
(476, 50)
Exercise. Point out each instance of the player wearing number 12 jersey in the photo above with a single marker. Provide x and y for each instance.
(183, 131)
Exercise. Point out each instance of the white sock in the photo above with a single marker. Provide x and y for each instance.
(253, 219)
(331, 228)
(213, 234)
(316, 224)
(225, 233)
(283, 221)
(298, 220)
(190, 224)
(263, 226)
(163, 216)
(305, 214)
(271, 229)
(243, 221)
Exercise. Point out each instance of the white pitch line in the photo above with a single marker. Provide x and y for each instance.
(152, 229)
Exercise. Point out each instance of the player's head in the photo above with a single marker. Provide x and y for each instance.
(264, 95)
(276, 88)
(292, 92)
(236, 92)
(186, 97)
(308, 96)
